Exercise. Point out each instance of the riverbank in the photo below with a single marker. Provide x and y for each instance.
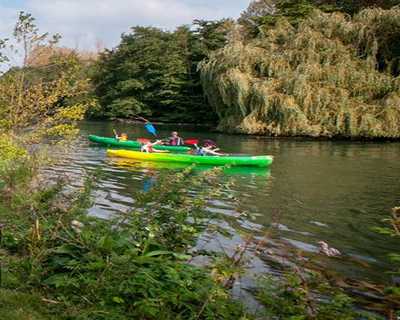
(57, 251)
(65, 264)
(133, 266)
(85, 236)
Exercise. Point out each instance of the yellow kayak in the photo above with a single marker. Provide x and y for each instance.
(254, 161)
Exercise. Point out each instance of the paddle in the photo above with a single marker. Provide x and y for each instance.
(148, 126)
(143, 140)
(191, 142)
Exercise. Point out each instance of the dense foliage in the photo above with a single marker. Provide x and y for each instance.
(296, 296)
(133, 267)
(392, 229)
(265, 13)
(154, 73)
(351, 6)
(46, 100)
(284, 68)
(57, 262)
(329, 75)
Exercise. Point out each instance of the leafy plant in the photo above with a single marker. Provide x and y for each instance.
(134, 266)
(301, 296)
(48, 103)
(393, 230)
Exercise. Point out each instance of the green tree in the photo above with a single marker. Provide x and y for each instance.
(329, 75)
(152, 73)
(48, 100)
(264, 13)
(352, 7)
(211, 35)
(27, 33)
(155, 73)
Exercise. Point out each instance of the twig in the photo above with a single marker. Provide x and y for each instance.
(50, 301)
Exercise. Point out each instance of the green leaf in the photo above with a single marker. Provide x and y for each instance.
(158, 253)
(64, 249)
(394, 257)
(106, 243)
(118, 300)
(181, 256)
(383, 231)
(57, 280)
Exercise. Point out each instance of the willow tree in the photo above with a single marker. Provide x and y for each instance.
(322, 77)
(352, 7)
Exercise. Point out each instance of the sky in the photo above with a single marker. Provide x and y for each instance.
(85, 23)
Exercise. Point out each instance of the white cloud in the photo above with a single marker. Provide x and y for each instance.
(83, 22)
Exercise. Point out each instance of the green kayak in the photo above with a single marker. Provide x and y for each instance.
(252, 161)
(130, 144)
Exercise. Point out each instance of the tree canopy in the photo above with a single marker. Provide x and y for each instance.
(223, 71)
(327, 75)
(154, 73)
(45, 100)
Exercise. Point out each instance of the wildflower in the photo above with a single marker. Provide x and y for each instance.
(77, 226)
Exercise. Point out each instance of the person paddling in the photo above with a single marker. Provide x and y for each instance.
(122, 137)
(175, 139)
(148, 147)
(207, 149)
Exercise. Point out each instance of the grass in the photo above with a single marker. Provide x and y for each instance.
(15, 305)
(132, 267)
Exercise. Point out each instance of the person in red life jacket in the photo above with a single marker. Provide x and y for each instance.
(148, 147)
(175, 139)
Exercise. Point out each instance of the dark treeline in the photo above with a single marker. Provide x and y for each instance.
(155, 73)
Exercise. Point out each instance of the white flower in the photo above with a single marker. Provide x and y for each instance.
(77, 226)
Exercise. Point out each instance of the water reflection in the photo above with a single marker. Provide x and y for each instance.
(134, 165)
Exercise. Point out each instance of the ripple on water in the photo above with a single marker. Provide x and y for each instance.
(331, 191)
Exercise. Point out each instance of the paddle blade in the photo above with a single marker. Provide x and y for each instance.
(150, 128)
(191, 142)
(143, 140)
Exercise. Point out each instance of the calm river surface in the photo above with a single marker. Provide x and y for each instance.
(331, 191)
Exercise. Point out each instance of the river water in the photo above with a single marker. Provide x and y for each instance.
(315, 190)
